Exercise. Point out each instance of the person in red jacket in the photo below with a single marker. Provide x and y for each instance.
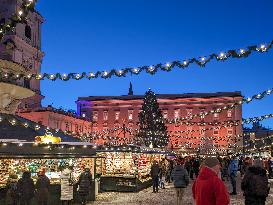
(208, 188)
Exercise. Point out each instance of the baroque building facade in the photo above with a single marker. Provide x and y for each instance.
(117, 117)
(23, 46)
(59, 120)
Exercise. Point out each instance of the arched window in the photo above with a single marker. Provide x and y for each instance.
(28, 31)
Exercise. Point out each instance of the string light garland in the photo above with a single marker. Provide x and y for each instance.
(19, 17)
(258, 96)
(257, 119)
(202, 61)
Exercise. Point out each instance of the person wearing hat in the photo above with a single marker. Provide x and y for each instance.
(180, 180)
(255, 184)
(208, 188)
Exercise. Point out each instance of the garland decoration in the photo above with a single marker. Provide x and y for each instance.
(19, 17)
(247, 100)
(200, 61)
(257, 119)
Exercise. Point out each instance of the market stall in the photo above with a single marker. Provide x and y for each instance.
(53, 158)
(126, 168)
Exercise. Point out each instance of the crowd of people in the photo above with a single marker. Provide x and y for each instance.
(209, 175)
(23, 191)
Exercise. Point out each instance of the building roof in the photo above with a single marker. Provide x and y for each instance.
(163, 96)
(60, 111)
(17, 132)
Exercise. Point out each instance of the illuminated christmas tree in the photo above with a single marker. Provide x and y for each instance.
(152, 129)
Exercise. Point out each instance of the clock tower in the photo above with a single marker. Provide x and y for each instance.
(23, 46)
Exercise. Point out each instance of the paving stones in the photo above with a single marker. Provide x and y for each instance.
(164, 197)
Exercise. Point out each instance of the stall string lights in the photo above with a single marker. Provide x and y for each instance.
(201, 61)
(127, 148)
(19, 17)
(48, 146)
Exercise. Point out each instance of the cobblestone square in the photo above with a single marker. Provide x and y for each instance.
(164, 197)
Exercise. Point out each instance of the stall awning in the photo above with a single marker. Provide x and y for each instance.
(32, 150)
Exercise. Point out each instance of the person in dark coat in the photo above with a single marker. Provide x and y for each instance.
(12, 194)
(25, 189)
(195, 167)
(84, 184)
(232, 171)
(255, 184)
(42, 187)
(155, 175)
(180, 180)
(270, 168)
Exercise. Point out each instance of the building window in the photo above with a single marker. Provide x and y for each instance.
(229, 113)
(230, 131)
(165, 114)
(76, 128)
(105, 115)
(67, 126)
(105, 125)
(117, 115)
(176, 114)
(28, 31)
(116, 131)
(117, 125)
(95, 116)
(130, 114)
(216, 131)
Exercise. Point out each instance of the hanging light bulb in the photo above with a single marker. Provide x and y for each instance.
(20, 13)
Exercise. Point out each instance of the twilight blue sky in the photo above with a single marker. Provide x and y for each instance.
(91, 35)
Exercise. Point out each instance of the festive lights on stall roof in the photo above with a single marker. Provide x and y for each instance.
(48, 146)
(19, 17)
(223, 56)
